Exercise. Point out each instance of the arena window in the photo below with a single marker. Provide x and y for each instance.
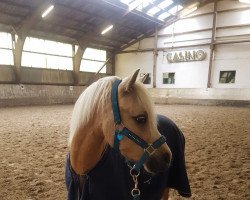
(148, 80)
(93, 60)
(169, 78)
(6, 55)
(47, 54)
(227, 76)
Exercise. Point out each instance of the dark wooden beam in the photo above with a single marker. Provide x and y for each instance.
(51, 36)
(8, 9)
(43, 25)
(129, 28)
(155, 57)
(9, 16)
(79, 12)
(136, 40)
(17, 4)
(98, 46)
(150, 32)
(68, 22)
(103, 42)
(213, 38)
(22, 29)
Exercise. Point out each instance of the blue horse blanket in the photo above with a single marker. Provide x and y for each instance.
(110, 178)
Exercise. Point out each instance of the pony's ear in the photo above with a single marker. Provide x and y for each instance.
(129, 82)
(144, 78)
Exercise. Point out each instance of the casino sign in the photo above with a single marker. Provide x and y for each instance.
(186, 56)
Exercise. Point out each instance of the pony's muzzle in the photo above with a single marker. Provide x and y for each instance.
(159, 161)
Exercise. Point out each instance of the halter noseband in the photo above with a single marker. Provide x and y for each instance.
(121, 131)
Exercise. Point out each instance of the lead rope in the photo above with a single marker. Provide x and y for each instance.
(121, 131)
(135, 192)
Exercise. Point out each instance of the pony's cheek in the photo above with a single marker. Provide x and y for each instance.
(130, 150)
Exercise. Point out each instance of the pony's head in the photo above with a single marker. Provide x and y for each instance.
(137, 114)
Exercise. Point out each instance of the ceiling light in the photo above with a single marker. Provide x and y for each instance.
(244, 1)
(165, 4)
(47, 11)
(107, 29)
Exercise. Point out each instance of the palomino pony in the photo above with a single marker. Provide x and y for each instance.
(119, 114)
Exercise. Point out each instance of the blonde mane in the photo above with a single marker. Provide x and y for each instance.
(96, 95)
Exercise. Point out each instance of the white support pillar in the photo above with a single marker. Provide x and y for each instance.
(212, 45)
(22, 31)
(155, 52)
(77, 58)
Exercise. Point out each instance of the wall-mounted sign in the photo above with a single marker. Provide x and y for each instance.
(185, 56)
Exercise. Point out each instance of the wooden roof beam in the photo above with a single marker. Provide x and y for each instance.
(22, 30)
(101, 17)
(16, 4)
(150, 32)
(24, 27)
(169, 22)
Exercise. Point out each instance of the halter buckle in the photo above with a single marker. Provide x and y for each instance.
(119, 127)
(150, 150)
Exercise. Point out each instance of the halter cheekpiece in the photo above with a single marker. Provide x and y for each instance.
(121, 131)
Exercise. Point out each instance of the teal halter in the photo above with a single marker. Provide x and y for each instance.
(121, 131)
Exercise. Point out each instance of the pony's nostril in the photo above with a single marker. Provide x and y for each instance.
(160, 164)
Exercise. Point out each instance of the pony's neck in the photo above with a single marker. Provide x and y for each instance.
(86, 149)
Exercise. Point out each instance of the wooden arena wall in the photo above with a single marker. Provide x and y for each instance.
(41, 86)
(202, 96)
(23, 95)
(28, 94)
(31, 75)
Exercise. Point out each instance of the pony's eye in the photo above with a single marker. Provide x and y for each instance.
(141, 119)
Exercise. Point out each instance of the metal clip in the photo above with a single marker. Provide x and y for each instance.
(150, 150)
(134, 172)
(135, 192)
